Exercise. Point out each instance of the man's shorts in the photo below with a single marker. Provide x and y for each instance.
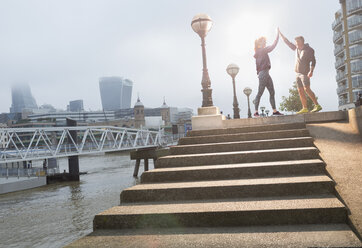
(302, 80)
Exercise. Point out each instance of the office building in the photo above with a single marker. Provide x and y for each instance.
(347, 38)
(84, 117)
(116, 93)
(76, 106)
(126, 94)
(22, 98)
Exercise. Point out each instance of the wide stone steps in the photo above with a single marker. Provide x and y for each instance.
(241, 188)
(235, 171)
(242, 145)
(255, 186)
(278, 134)
(291, 236)
(248, 129)
(238, 157)
(324, 209)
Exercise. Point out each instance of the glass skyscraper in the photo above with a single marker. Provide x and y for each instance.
(116, 93)
(22, 98)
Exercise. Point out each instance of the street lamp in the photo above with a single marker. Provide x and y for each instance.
(267, 112)
(247, 92)
(201, 24)
(233, 70)
(262, 111)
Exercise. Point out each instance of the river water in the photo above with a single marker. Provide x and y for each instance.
(57, 214)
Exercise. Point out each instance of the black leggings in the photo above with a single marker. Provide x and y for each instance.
(265, 81)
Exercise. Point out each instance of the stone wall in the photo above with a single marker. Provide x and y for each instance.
(355, 119)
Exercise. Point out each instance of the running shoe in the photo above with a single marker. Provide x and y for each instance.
(317, 108)
(303, 111)
(277, 113)
(256, 114)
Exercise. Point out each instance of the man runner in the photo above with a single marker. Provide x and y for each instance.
(304, 67)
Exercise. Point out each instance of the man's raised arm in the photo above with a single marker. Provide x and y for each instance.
(289, 44)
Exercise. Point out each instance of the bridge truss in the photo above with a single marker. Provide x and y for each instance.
(22, 144)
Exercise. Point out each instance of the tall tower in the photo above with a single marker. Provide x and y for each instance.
(165, 112)
(139, 114)
(115, 92)
(347, 39)
(22, 98)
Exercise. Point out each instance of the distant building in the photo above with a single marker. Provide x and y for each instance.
(22, 98)
(182, 115)
(154, 122)
(347, 40)
(8, 118)
(169, 115)
(139, 114)
(126, 96)
(116, 93)
(84, 117)
(76, 106)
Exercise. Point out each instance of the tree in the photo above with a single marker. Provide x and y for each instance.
(292, 102)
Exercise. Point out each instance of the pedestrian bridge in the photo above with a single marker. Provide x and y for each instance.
(24, 144)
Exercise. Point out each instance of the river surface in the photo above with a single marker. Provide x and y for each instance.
(57, 214)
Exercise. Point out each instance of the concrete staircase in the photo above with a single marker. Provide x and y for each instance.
(229, 186)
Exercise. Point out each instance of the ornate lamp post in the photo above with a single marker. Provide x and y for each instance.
(247, 91)
(233, 70)
(262, 111)
(201, 24)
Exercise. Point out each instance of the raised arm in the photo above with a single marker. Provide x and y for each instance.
(271, 47)
(289, 44)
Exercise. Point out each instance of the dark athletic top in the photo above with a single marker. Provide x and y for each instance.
(262, 58)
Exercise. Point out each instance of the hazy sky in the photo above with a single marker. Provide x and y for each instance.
(62, 47)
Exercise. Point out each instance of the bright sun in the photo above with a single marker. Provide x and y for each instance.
(247, 27)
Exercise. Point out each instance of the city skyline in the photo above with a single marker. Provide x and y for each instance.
(62, 48)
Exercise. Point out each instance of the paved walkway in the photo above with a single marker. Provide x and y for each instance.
(341, 149)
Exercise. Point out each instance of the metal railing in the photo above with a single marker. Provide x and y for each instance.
(27, 172)
(355, 36)
(356, 67)
(355, 51)
(354, 21)
(338, 49)
(340, 76)
(357, 81)
(339, 62)
(336, 23)
(337, 35)
(341, 89)
(353, 6)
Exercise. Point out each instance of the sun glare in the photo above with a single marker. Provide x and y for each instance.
(249, 26)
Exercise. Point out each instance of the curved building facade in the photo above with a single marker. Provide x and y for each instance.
(116, 93)
(347, 38)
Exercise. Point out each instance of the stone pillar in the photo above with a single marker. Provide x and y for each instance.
(73, 161)
(207, 118)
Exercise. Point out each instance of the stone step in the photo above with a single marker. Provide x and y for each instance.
(221, 189)
(244, 136)
(236, 171)
(247, 129)
(325, 209)
(284, 154)
(291, 236)
(242, 145)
